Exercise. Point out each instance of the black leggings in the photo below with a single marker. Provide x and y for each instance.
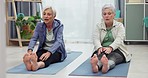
(54, 58)
(116, 56)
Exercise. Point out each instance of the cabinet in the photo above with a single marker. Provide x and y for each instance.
(12, 18)
(136, 11)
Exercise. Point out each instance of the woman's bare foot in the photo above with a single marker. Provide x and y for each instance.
(94, 61)
(34, 62)
(104, 61)
(27, 62)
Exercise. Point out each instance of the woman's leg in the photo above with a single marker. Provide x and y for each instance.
(27, 62)
(34, 64)
(114, 58)
(37, 63)
(104, 61)
(54, 58)
(94, 61)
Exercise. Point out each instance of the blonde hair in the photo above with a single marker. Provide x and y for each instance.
(108, 6)
(53, 10)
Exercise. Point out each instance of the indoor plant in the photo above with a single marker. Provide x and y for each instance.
(26, 25)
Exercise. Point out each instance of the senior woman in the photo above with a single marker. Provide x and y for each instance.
(108, 40)
(51, 47)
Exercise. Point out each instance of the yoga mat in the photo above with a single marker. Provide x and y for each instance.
(51, 70)
(84, 69)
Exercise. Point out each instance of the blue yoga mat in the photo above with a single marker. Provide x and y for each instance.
(51, 70)
(84, 69)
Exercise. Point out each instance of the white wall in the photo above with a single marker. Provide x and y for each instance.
(78, 16)
(2, 39)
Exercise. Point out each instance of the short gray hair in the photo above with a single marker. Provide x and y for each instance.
(109, 6)
(50, 7)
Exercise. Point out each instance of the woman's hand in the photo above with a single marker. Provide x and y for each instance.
(100, 50)
(108, 50)
(45, 56)
(29, 52)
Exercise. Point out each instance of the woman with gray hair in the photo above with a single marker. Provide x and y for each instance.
(108, 40)
(51, 47)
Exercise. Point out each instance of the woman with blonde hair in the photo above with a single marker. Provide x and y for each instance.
(51, 48)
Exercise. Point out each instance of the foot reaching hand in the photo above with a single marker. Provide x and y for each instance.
(27, 62)
(34, 62)
(104, 61)
(94, 61)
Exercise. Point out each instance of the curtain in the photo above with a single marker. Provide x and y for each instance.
(120, 6)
